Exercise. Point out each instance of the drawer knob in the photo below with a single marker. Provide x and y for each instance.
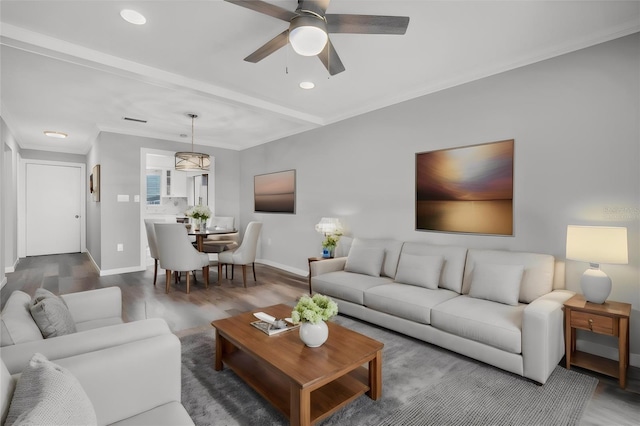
(590, 324)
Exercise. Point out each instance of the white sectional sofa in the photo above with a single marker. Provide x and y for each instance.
(499, 307)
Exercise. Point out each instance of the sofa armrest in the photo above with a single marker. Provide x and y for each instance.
(94, 304)
(130, 379)
(326, 266)
(16, 357)
(543, 334)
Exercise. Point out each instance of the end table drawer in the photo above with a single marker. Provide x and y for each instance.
(596, 323)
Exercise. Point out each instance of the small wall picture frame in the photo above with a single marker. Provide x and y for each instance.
(94, 183)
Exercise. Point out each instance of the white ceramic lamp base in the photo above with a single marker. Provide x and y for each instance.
(596, 285)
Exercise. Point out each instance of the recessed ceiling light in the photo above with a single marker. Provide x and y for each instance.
(53, 134)
(307, 85)
(133, 17)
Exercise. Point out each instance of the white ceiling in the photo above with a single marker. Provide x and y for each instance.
(78, 68)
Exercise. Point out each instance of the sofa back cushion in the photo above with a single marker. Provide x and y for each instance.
(422, 270)
(537, 277)
(452, 266)
(17, 324)
(391, 248)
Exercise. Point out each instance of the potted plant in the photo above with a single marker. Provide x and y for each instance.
(329, 244)
(200, 214)
(311, 313)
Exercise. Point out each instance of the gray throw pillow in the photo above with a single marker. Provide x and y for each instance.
(51, 314)
(365, 260)
(47, 394)
(419, 270)
(499, 283)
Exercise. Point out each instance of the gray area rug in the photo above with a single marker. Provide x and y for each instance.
(422, 385)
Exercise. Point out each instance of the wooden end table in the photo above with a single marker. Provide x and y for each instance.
(305, 384)
(610, 318)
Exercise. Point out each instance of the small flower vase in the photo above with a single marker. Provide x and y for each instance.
(327, 252)
(314, 335)
(203, 225)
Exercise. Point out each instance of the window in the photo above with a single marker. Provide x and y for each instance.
(153, 186)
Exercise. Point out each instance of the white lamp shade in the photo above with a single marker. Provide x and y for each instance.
(192, 161)
(597, 244)
(329, 225)
(308, 35)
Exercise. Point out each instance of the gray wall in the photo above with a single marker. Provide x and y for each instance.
(574, 119)
(110, 222)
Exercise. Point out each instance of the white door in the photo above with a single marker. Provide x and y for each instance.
(53, 213)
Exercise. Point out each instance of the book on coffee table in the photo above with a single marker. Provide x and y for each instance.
(267, 328)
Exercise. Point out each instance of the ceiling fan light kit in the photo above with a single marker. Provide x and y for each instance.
(310, 26)
(190, 160)
(308, 35)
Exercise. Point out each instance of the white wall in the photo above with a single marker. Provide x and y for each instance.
(574, 119)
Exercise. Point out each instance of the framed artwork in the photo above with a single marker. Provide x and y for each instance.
(466, 189)
(94, 182)
(275, 192)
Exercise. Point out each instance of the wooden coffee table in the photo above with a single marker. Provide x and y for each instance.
(305, 384)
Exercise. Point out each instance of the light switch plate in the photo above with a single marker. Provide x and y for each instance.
(123, 198)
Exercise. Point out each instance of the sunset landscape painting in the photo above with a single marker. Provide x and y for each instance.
(467, 189)
(275, 192)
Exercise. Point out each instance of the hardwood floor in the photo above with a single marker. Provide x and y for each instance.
(188, 313)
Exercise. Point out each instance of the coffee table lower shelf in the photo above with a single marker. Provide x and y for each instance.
(277, 388)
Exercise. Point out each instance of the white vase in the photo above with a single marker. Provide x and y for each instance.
(314, 335)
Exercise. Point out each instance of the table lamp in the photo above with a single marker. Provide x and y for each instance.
(597, 244)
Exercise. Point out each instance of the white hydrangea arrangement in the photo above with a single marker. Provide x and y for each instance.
(314, 309)
(199, 212)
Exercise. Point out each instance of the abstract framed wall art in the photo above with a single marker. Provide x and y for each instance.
(275, 192)
(466, 189)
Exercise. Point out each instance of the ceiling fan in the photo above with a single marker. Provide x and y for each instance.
(309, 26)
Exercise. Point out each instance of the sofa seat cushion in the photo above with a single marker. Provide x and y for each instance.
(406, 301)
(346, 285)
(172, 413)
(98, 323)
(491, 323)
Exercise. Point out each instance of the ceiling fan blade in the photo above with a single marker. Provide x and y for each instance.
(330, 59)
(266, 8)
(367, 24)
(269, 47)
(316, 6)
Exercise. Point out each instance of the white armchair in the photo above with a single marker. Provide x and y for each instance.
(243, 255)
(137, 383)
(98, 320)
(177, 254)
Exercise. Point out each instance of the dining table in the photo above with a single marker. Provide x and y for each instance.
(201, 234)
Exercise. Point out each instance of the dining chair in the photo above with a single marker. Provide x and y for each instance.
(217, 243)
(153, 245)
(177, 254)
(244, 255)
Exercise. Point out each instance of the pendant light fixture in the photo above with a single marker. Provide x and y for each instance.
(192, 160)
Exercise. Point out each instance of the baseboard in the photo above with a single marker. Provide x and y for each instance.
(605, 351)
(10, 269)
(301, 272)
(121, 270)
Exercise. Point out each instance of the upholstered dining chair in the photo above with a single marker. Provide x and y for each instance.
(153, 245)
(177, 254)
(217, 243)
(244, 255)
